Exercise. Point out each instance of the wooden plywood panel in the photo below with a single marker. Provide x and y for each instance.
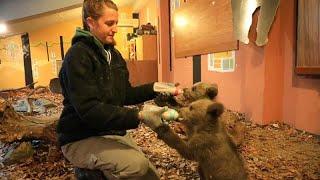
(142, 72)
(146, 46)
(308, 37)
(202, 27)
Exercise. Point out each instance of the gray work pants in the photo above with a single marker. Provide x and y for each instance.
(118, 157)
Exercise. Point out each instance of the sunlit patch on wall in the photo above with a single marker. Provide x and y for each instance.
(222, 61)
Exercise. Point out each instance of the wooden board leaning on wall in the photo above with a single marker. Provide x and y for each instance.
(203, 27)
(308, 38)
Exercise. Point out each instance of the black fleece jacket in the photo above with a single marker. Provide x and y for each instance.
(95, 92)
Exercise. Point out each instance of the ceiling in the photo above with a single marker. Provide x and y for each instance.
(43, 21)
(31, 23)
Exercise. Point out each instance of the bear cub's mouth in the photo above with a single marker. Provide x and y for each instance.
(180, 119)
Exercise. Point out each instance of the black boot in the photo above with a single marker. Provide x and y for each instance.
(87, 174)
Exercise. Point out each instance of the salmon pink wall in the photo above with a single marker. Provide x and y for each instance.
(274, 67)
(301, 97)
(164, 73)
(183, 72)
(226, 81)
(251, 99)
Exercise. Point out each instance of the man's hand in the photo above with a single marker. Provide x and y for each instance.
(170, 115)
(151, 116)
(169, 88)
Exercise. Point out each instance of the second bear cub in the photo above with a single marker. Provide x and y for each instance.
(207, 143)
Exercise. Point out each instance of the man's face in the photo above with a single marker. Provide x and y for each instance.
(105, 27)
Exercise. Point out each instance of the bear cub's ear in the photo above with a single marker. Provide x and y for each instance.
(212, 92)
(215, 109)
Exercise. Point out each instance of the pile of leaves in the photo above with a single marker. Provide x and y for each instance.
(168, 162)
(46, 163)
(278, 151)
(275, 151)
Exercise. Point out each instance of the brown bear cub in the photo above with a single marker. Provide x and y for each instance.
(207, 141)
(199, 90)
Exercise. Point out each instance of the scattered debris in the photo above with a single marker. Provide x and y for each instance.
(17, 127)
(33, 105)
(55, 86)
(22, 106)
(275, 125)
(18, 155)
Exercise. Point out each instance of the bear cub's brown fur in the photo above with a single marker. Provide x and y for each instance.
(207, 141)
(199, 90)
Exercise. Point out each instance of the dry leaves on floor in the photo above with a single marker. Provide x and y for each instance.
(276, 151)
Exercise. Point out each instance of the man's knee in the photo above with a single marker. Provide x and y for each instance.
(136, 168)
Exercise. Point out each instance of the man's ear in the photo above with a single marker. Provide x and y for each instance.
(215, 109)
(90, 22)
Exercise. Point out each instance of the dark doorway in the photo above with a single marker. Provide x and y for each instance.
(196, 68)
(27, 60)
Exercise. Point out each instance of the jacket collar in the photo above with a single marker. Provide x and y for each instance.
(83, 34)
